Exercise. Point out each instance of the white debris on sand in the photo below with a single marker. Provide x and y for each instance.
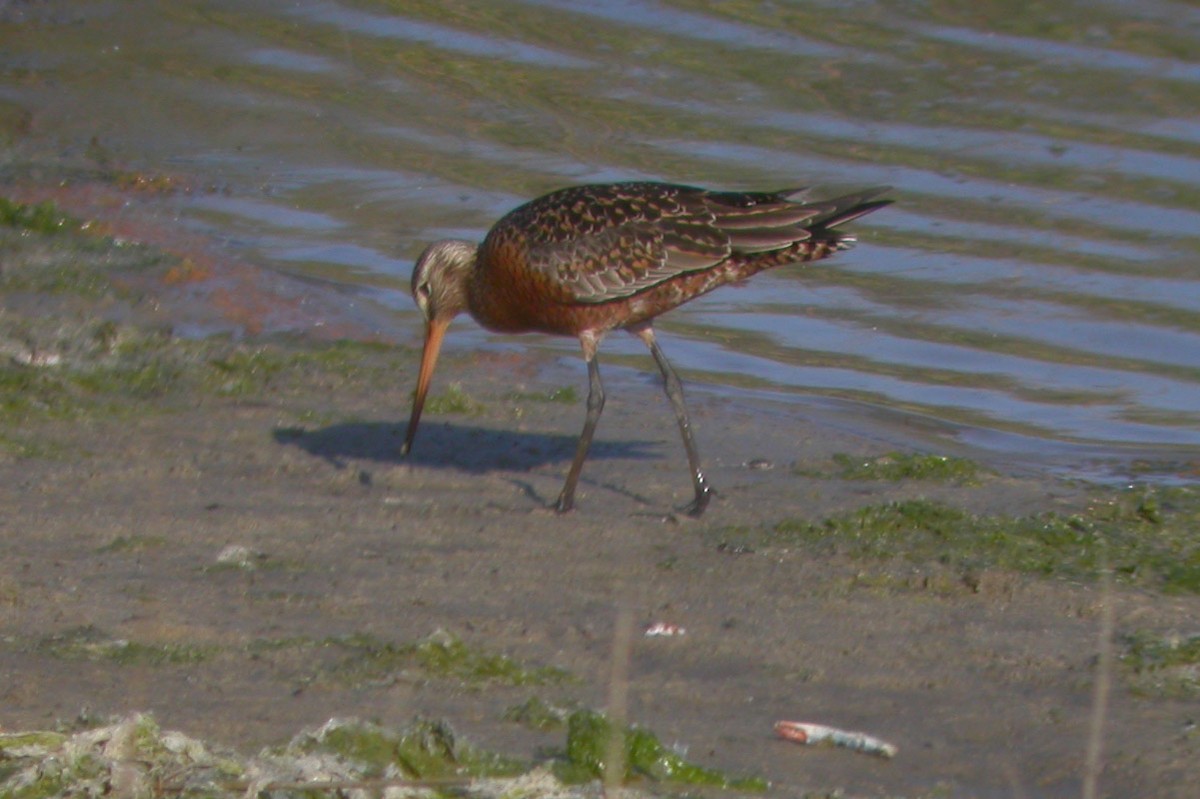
(240, 557)
(808, 733)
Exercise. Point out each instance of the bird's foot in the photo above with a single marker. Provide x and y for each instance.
(564, 504)
(696, 507)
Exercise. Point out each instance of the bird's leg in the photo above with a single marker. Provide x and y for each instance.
(674, 390)
(595, 404)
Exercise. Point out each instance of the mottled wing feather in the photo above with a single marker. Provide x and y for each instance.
(593, 266)
(598, 243)
(593, 244)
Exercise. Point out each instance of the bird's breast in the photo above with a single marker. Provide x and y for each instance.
(507, 297)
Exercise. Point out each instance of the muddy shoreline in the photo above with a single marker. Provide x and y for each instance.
(134, 458)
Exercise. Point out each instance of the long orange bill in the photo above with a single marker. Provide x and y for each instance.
(435, 331)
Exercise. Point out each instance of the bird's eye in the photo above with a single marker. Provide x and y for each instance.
(422, 291)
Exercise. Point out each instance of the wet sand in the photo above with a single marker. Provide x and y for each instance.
(114, 523)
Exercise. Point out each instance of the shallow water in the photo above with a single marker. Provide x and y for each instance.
(1037, 282)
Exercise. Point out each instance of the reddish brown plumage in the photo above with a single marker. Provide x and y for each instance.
(585, 260)
(601, 257)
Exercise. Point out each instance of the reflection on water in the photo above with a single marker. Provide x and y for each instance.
(1040, 274)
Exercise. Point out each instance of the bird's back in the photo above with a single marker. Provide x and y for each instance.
(609, 255)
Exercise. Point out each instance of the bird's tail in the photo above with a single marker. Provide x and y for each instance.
(841, 210)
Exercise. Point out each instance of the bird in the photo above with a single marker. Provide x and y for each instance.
(585, 260)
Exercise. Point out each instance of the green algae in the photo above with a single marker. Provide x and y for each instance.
(1146, 536)
(96, 371)
(61, 358)
(91, 643)
(49, 252)
(15, 741)
(43, 217)
(440, 655)
(1162, 665)
(23, 446)
(131, 757)
(454, 400)
(133, 543)
(589, 736)
(566, 395)
(537, 714)
(897, 466)
(447, 655)
(108, 370)
(364, 659)
(243, 372)
(426, 749)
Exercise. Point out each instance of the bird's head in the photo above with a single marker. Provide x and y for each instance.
(439, 279)
(439, 287)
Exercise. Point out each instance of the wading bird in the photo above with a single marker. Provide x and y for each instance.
(588, 259)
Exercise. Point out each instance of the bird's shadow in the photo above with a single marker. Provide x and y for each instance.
(452, 446)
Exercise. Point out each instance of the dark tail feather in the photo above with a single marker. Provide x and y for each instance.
(849, 207)
(841, 210)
